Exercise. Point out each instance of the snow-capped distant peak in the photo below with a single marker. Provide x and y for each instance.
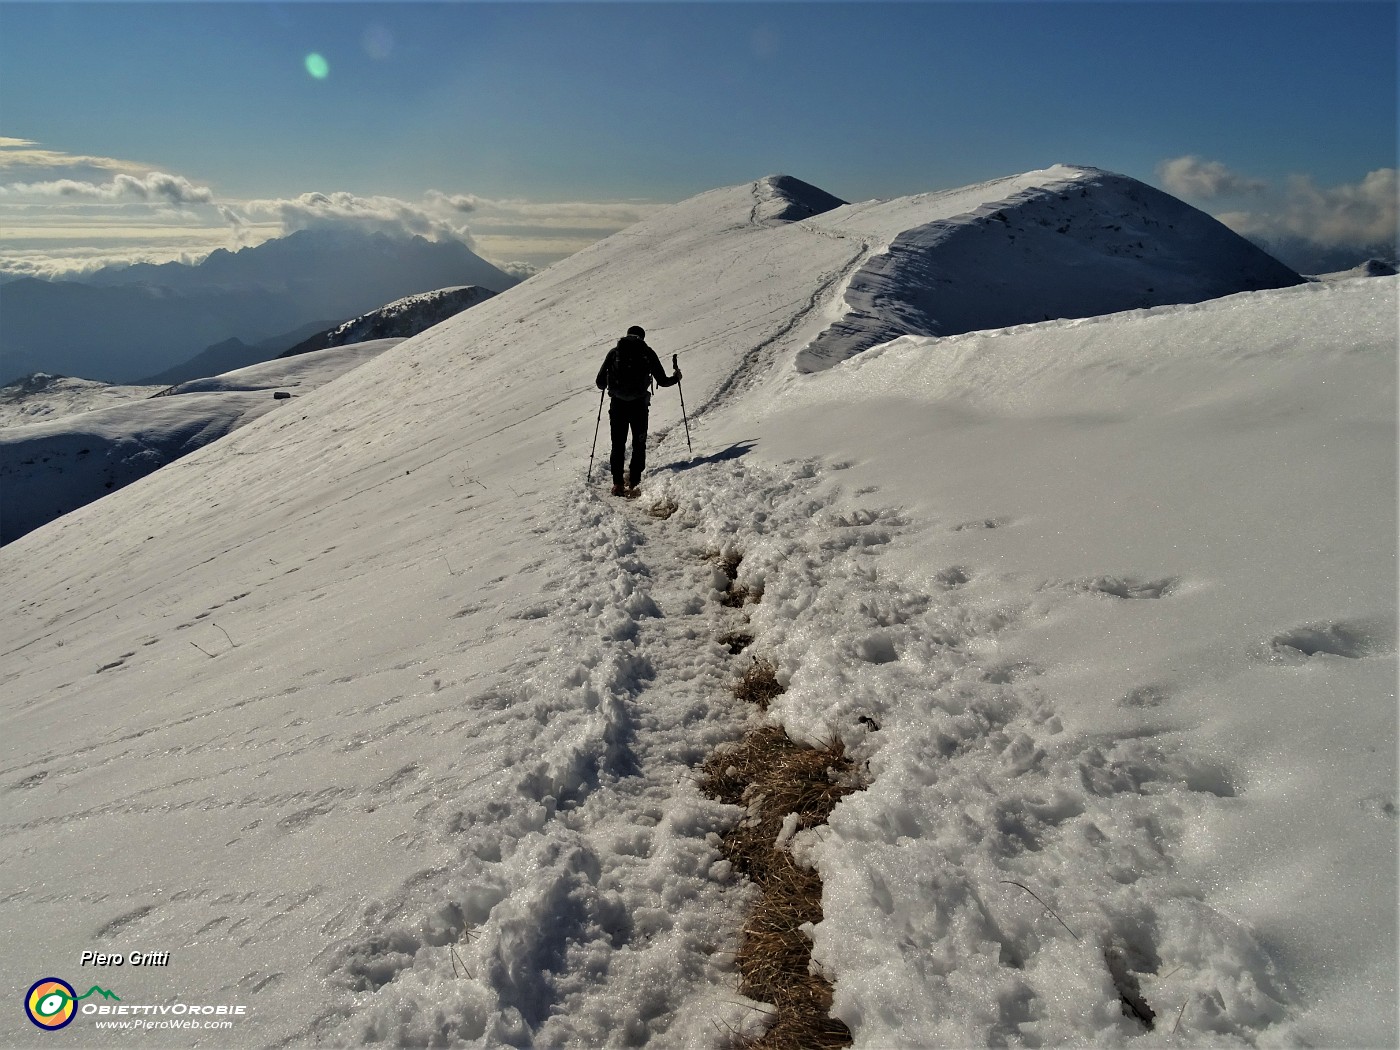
(400, 319)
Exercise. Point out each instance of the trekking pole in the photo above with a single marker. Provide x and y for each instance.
(596, 425)
(675, 367)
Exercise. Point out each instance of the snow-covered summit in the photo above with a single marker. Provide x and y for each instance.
(782, 198)
(1063, 242)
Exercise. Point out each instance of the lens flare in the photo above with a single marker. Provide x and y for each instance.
(317, 66)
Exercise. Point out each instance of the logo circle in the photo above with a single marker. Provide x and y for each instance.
(51, 1003)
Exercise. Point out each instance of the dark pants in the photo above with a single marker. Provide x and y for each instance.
(624, 416)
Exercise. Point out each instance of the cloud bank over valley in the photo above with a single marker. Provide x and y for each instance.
(1310, 227)
(66, 215)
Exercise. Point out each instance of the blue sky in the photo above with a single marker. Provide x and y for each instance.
(1281, 106)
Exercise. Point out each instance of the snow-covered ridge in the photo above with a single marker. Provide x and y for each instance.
(402, 318)
(49, 469)
(1369, 268)
(55, 469)
(1066, 242)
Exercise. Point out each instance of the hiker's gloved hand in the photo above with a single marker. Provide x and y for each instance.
(677, 376)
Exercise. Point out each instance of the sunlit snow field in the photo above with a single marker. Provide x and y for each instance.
(383, 722)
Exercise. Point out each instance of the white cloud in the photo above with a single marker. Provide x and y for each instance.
(523, 270)
(155, 186)
(570, 225)
(175, 189)
(376, 214)
(1364, 213)
(574, 214)
(552, 214)
(463, 202)
(69, 260)
(28, 159)
(61, 199)
(1359, 217)
(1193, 177)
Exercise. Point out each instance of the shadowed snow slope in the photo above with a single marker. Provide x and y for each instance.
(383, 724)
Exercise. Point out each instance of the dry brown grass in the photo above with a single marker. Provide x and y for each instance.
(738, 595)
(759, 684)
(773, 777)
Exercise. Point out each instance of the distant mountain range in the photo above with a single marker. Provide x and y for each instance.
(124, 324)
(234, 353)
(398, 320)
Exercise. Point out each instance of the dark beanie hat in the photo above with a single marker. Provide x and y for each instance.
(638, 331)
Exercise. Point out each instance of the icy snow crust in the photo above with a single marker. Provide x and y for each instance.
(384, 724)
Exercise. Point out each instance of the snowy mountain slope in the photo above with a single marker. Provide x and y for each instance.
(51, 468)
(409, 716)
(40, 397)
(1066, 242)
(397, 320)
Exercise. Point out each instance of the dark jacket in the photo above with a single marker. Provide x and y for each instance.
(630, 343)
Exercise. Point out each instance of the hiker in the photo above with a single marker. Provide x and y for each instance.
(626, 374)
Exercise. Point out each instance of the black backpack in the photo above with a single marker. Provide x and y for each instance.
(629, 377)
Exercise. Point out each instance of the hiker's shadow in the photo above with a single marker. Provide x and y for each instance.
(735, 451)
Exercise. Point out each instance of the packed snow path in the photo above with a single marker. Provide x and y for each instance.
(588, 901)
(597, 909)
